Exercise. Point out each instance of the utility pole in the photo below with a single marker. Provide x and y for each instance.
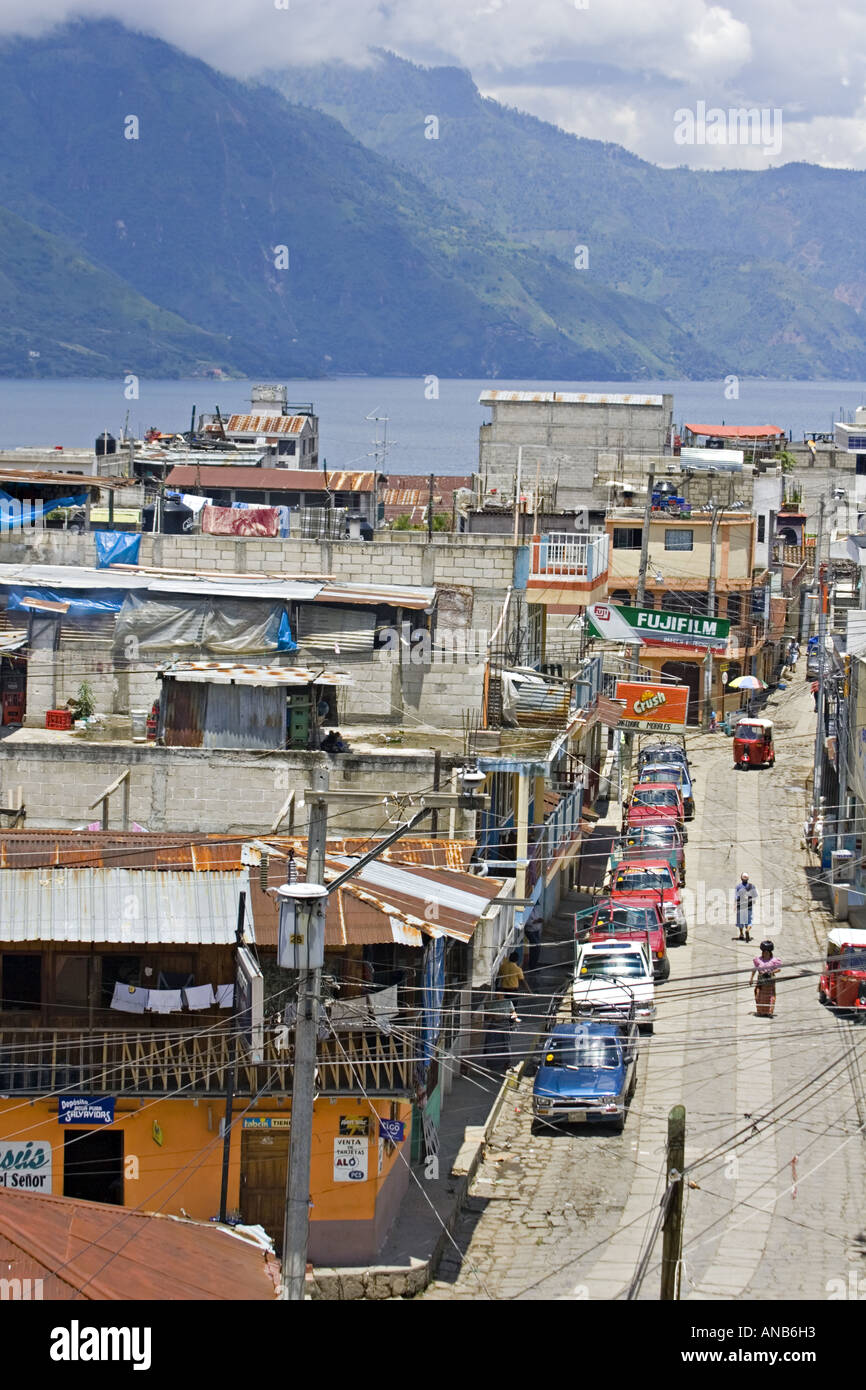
(672, 1239)
(711, 613)
(641, 582)
(232, 1075)
(430, 482)
(822, 662)
(296, 1223)
(517, 494)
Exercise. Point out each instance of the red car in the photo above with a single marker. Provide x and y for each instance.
(633, 919)
(651, 802)
(652, 880)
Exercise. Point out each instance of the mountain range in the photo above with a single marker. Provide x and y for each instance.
(160, 217)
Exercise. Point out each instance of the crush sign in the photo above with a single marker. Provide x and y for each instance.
(653, 709)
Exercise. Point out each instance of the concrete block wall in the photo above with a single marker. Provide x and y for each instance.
(199, 789)
(483, 562)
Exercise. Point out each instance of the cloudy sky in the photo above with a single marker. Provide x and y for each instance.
(617, 70)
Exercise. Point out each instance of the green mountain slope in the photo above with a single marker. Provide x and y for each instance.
(764, 267)
(61, 315)
(383, 275)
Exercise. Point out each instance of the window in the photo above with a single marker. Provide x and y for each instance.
(679, 538)
(627, 537)
(22, 982)
(621, 596)
(735, 607)
(860, 465)
(71, 981)
(125, 970)
(762, 529)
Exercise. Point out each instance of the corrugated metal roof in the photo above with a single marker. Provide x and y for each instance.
(123, 906)
(431, 900)
(350, 482)
(266, 424)
(254, 587)
(565, 398)
(227, 673)
(95, 1251)
(397, 595)
(64, 479)
(226, 475)
(70, 577)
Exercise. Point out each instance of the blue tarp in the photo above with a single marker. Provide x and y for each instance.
(285, 640)
(18, 511)
(95, 601)
(116, 548)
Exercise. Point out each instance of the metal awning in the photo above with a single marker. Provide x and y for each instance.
(121, 906)
(397, 595)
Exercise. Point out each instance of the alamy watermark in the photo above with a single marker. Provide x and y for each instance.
(740, 125)
(21, 515)
(419, 647)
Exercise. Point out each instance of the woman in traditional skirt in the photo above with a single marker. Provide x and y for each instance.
(767, 966)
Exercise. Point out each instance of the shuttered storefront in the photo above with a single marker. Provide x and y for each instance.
(324, 627)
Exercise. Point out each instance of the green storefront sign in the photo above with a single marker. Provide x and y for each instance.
(652, 625)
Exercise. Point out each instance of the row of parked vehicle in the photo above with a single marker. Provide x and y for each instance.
(588, 1067)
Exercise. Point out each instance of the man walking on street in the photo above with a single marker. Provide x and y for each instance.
(746, 897)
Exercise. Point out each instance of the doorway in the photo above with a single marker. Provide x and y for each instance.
(690, 675)
(93, 1165)
(264, 1167)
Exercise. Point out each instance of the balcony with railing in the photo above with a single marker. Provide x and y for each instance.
(745, 637)
(568, 567)
(38, 1061)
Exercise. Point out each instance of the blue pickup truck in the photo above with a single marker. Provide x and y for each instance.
(588, 1072)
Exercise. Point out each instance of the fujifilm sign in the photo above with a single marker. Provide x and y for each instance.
(649, 625)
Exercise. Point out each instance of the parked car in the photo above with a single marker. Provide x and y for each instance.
(654, 802)
(613, 982)
(654, 753)
(652, 880)
(588, 1072)
(660, 841)
(627, 919)
(673, 772)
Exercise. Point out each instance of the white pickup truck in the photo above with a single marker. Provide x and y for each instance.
(613, 982)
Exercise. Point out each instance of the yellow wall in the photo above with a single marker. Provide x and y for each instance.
(734, 548)
(185, 1171)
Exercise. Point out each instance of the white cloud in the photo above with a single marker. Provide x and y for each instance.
(636, 63)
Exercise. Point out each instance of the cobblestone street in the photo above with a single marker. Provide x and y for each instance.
(774, 1107)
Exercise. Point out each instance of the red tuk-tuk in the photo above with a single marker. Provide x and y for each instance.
(753, 743)
(843, 980)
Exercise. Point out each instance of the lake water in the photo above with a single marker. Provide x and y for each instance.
(429, 436)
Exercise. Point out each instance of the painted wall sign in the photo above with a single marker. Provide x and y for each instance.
(267, 1122)
(355, 1124)
(350, 1159)
(25, 1165)
(653, 709)
(393, 1130)
(657, 627)
(86, 1110)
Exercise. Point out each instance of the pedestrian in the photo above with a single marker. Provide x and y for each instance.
(533, 941)
(713, 722)
(766, 966)
(746, 897)
(511, 977)
(815, 689)
(499, 1017)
